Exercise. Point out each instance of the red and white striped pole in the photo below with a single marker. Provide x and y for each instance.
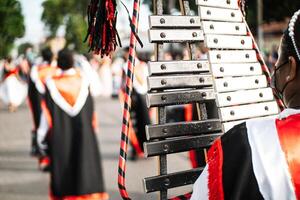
(127, 101)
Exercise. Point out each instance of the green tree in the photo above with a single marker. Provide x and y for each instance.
(72, 14)
(11, 23)
(274, 10)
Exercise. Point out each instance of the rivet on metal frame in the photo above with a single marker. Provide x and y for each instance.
(163, 67)
(162, 35)
(163, 82)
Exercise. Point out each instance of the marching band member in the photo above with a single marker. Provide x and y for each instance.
(66, 134)
(259, 159)
(36, 90)
(13, 90)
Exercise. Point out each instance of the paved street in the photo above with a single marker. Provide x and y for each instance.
(20, 179)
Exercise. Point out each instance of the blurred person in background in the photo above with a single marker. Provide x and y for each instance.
(105, 74)
(96, 87)
(139, 115)
(66, 134)
(117, 71)
(13, 90)
(36, 91)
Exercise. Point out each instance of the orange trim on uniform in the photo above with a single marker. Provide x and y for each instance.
(47, 113)
(95, 196)
(188, 112)
(45, 71)
(288, 131)
(68, 86)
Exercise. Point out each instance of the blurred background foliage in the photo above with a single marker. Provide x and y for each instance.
(11, 25)
(72, 15)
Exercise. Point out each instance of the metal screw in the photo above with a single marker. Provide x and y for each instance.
(163, 82)
(192, 20)
(212, 27)
(242, 42)
(162, 35)
(209, 127)
(256, 81)
(237, 28)
(219, 56)
(216, 40)
(261, 94)
(163, 67)
(208, 12)
(232, 112)
(162, 20)
(247, 55)
(199, 65)
(163, 97)
(228, 1)
(166, 147)
(194, 34)
(167, 182)
(251, 68)
(203, 94)
(228, 98)
(165, 131)
(201, 80)
(266, 108)
(232, 14)
(225, 84)
(221, 69)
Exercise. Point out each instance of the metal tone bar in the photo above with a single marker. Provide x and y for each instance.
(224, 28)
(228, 42)
(185, 81)
(248, 111)
(170, 67)
(175, 35)
(220, 14)
(179, 97)
(232, 56)
(244, 97)
(164, 182)
(183, 129)
(170, 21)
(179, 144)
(218, 3)
(236, 69)
(240, 83)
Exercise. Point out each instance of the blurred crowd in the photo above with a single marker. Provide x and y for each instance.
(105, 73)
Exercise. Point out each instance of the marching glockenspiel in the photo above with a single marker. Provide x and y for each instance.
(228, 87)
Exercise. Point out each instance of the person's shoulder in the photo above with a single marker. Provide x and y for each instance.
(235, 132)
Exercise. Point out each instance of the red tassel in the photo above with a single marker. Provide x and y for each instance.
(102, 34)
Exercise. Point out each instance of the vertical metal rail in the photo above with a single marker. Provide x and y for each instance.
(201, 107)
(162, 159)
